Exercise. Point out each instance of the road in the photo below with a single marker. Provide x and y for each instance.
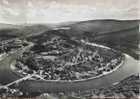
(129, 67)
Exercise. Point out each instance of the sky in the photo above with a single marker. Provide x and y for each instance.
(57, 11)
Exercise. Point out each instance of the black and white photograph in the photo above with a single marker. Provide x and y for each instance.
(69, 49)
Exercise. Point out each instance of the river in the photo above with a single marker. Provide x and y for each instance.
(129, 67)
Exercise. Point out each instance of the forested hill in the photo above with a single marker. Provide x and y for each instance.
(121, 35)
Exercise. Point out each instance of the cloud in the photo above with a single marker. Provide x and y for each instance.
(44, 11)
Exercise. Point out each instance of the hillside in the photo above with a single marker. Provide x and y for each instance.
(121, 35)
